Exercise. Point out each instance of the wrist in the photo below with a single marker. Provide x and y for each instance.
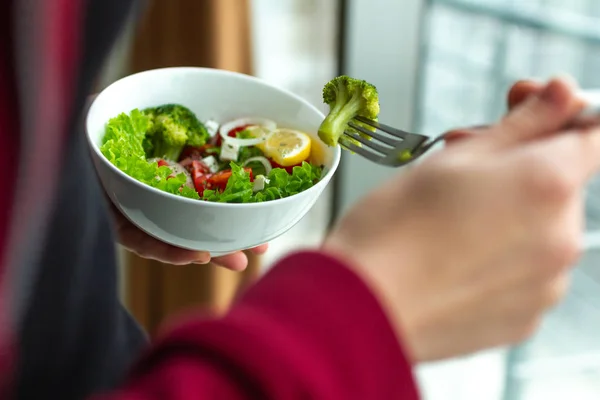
(385, 282)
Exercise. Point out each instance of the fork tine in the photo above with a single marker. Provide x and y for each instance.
(384, 150)
(384, 139)
(386, 128)
(365, 153)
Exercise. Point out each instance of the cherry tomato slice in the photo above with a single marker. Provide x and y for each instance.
(235, 131)
(219, 180)
(190, 152)
(232, 133)
(200, 174)
(163, 163)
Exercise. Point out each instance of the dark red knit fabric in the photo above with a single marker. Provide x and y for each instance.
(310, 329)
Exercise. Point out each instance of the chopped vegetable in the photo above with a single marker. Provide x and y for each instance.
(237, 190)
(229, 151)
(280, 184)
(406, 155)
(219, 180)
(287, 147)
(197, 153)
(261, 126)
(171, 128)
(249, 152)
(199, 176)
(122, 146)
(212, 163)
(263, 161)
(259, 183)
(212, 127)
(289, 169)
(166, 147)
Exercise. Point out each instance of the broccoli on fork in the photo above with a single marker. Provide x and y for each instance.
(347, 98)
(172, 127)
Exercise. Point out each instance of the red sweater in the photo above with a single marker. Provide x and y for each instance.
(310, 329)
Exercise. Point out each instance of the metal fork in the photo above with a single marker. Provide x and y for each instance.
(394, 147)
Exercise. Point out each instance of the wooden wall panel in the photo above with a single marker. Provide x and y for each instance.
(206, 33)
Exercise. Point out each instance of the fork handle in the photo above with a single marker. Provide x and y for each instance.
(428, 145)
(589, 116)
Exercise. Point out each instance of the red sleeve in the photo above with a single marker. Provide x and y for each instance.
(310, 329)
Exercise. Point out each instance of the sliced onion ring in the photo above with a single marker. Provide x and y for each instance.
(262, 122)
(263, 160)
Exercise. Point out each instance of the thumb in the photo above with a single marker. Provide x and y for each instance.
(541, 114)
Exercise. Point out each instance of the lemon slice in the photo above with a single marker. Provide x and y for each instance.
(286, 147)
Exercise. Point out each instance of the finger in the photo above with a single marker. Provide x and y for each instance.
(235, 262)
(542, 296)
(581, 149)
(259, 250)
(566, 161)
(177, 256)
(154, 249)
(556, 290)
(136, 241)
(522, 90)
(547, 112)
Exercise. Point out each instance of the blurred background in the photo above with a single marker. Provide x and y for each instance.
(437, 64)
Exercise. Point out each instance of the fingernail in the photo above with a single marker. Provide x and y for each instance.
(202, 260)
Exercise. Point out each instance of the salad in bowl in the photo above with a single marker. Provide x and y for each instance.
(244, 160)
(207, 159)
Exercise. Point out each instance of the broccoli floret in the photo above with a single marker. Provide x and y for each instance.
(147, 143)
(196, 131)
(169, 138)
(347, 98)
(151, 114)
(172, 127)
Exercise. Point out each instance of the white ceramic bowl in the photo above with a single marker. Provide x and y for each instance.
(222, 96)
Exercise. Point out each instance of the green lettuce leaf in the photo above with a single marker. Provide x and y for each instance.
(122, 146)
(281, 184)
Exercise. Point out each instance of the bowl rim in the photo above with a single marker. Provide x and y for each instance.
(336, 156)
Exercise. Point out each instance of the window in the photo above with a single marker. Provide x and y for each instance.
(473, 51)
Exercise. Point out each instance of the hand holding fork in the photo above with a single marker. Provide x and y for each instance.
(394, 147)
